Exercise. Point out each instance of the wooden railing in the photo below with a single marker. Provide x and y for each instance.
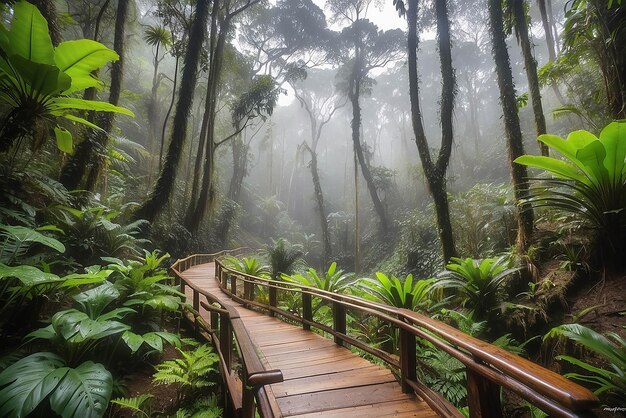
(488, 367)
(246, 392)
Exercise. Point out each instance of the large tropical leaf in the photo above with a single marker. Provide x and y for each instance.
(29, 36)
(94, 301)
(79, 58)
(28, 275)
(58, 104)
(81, 392)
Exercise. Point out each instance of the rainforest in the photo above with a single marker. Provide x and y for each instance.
(340, 208)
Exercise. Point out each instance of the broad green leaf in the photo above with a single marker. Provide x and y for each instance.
(74, 118)
(28, 275)
(42, 80)
(132, 340)
(94, 301)
(79, 58)
(613, 136)
(61, 103)
(26, 235)
(556, 167)
(84, 392)
(592, 156)
(64, 139)
(28, 382)
(29, 36)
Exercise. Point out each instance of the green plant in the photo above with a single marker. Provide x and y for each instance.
(283, 257)
(138, 406)
(83, 391)
(250, 266)
(76, 334)
(141, 284)
(201, 408)
(36, 80)
(479, 284)
(332, 280)
(608, 383)
(191, 372)
(405, 293)
(590, 183)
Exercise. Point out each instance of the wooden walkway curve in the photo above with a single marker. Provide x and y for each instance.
(320, 378)
(281, 369)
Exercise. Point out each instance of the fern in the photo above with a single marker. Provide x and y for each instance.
(201, 408)
(138, 405)
(192, 371)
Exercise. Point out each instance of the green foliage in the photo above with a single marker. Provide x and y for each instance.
(478, 284)
(83, 391)
(36, 79)
(92, 233)
(608, 383)
(140, 283)
(157, 35)
(591, 182)
(283, 258)
(192, 372)
(201, 408)
(76, 335)
(407, 293)
(250, 266)
(17, 240)
(332, 280)
(482, 220)
(138, 406)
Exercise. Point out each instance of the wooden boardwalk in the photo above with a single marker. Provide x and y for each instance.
(320, 377)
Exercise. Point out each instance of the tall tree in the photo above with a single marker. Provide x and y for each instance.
(362, 48)
(520, 19)
(159, 38)
(224, 12)
(89, 155)
(434, 170)
(519, 174)
(320, 105)
(162, 190)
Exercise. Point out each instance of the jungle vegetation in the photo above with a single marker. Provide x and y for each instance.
(463, 159)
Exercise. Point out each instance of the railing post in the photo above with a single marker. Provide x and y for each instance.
(248, 408)
(226, 340)
(196, 307)
(273, 298)
(233, 284)
(339, 321)
(307, 310)
(483, 397)
(407, 360)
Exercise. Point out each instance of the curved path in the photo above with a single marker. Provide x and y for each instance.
(320, 377)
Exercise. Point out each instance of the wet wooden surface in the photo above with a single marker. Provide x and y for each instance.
(320, 378)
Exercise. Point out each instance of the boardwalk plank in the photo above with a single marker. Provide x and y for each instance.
(322, 379)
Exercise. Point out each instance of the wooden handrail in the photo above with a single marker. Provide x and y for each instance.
(227, 323)
(488, 367)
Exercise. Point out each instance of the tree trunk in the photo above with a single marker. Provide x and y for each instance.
(240, 162)
(365, 170)
(550, 41)
(321, 211)
(197, 169)
(519, 175)
(90, 154)
(521, 28)
(204, 200)
(165, 183)
(49, 11)
(435, 172)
